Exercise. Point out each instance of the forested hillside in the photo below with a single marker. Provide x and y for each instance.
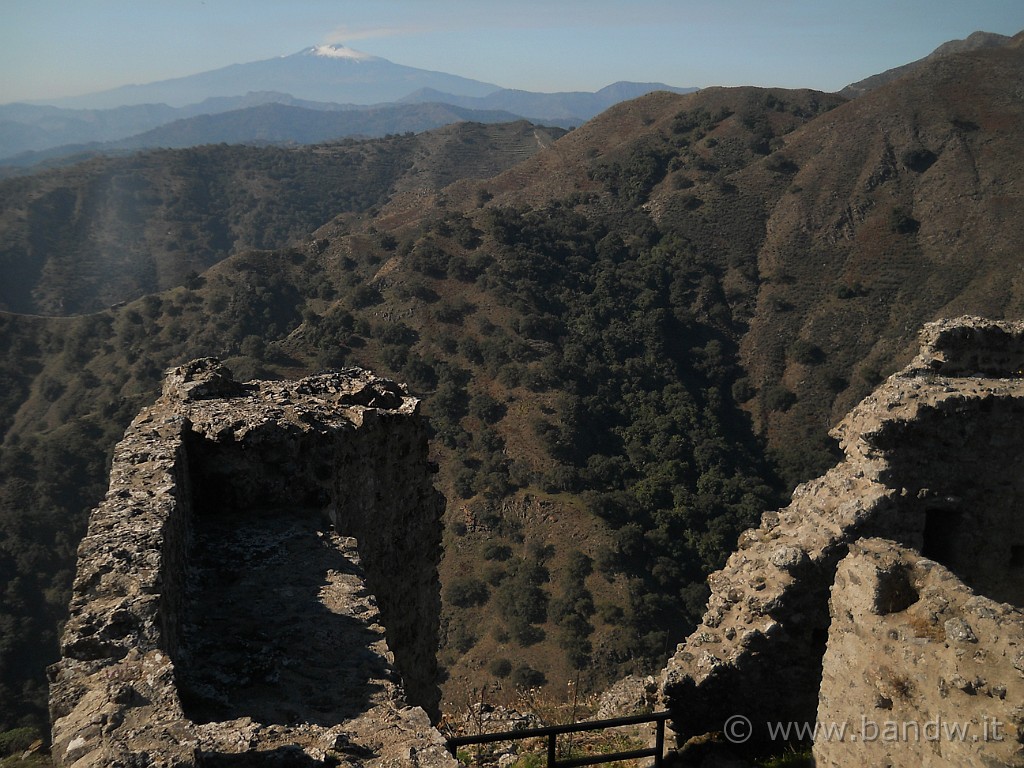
(629, 344)
(77, 239)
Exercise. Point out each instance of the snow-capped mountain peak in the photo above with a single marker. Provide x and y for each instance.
(338, 51)
(331, 73)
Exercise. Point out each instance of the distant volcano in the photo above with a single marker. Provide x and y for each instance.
(327, 73)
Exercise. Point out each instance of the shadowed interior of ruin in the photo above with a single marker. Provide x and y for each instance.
(283, 757)
(276, 623)
(267, 630)
(964, 475)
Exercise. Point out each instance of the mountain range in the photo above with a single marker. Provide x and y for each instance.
(340, 91)
(630, 338)
(332, 92)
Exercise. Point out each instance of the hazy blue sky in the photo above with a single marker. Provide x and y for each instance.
(51, 48)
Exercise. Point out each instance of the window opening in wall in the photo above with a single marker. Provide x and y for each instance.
(941, 531)
(1017, 555)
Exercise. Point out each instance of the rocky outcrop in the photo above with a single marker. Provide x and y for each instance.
(933, 462)
(259, 586)
(632, 695)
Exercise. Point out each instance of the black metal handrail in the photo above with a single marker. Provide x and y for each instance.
(553, 731)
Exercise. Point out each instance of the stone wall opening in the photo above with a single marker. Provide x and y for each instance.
(960, 474)
(279, 623)
(1017, 555)
(941, 532)
(949, 657)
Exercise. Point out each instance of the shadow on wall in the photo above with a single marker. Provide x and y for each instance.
(290, 756)
(964, 483)
(272, 622)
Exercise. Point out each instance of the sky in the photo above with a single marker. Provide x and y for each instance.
(54, 48)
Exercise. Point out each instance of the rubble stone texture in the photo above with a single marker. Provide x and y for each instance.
(919, 670)
(259, 586)
(934, 463)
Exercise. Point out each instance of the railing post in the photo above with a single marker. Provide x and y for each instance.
(659, 742)
(551, 750)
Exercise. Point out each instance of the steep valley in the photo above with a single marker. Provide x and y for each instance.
(629, 344)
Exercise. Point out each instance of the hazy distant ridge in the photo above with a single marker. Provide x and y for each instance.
(304, 75)
(559, 107)
(365, 96)
(35, 127)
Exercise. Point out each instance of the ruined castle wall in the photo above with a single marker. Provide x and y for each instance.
(970, 346)
(115, 676)
(367, 480)
(375, 501)
(174, 552)
(931, 462)
(757, 653)
(218, 619)
(961, 476)
(920, 670)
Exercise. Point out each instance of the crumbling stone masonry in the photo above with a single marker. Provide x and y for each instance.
(259, 586)
(934, 464)
(920, 670)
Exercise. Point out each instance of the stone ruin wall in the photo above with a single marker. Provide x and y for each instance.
(233, 589)
(920, 669)
(933, 465)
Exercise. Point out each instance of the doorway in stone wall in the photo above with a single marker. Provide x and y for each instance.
(941, 535)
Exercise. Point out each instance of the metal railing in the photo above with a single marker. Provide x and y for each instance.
(553, 731)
